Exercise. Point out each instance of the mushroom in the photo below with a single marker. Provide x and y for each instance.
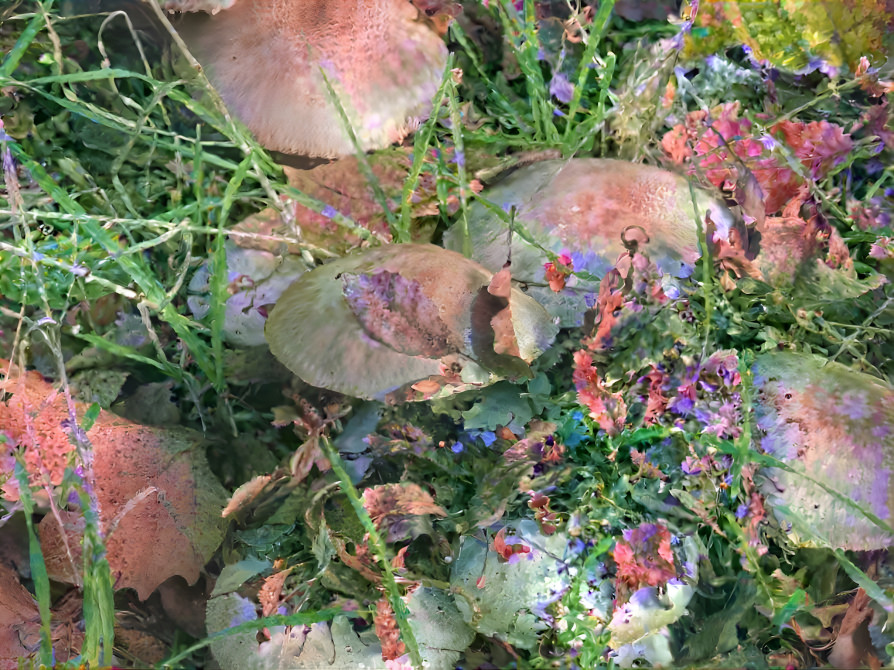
(832, 429)
(256, 278)
(270, 61)
(586, 208)
(406, 322)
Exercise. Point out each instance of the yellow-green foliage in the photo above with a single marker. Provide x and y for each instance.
(788, 34)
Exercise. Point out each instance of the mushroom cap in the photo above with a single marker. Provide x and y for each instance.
(374, 323)
(256, 279)
(582, 207)
(209, 6)
(265, 58)
(833, 428)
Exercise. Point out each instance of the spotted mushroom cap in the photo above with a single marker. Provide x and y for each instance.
(267, 59)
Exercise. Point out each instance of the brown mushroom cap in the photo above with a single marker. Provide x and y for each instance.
(266, 58)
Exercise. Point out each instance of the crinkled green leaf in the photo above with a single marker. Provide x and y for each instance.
(500, 599)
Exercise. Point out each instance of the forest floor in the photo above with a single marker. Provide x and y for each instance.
(648, 468)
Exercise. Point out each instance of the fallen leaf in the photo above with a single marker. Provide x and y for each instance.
(159, 502)
(19, 621)
(245, 494)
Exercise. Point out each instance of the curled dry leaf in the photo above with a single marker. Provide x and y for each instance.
(390, 506)
(267, 59)
(585, 209)
(853, 645)
(387, 630)
(377, 323)
(159, 502)
(834, 428)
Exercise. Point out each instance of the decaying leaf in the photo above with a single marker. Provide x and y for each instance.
(853, 645)
(159, 502)
(390, 506)
(245, 494)
(19, 621)
(834, 429)
(376, 323)
(584, 210)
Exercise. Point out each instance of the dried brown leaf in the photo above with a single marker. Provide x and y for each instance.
(159, 502)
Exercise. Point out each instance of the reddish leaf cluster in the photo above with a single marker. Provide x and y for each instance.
(644, 558)
(724, 147)
(387, 630)
(657, 400)
(607, 408)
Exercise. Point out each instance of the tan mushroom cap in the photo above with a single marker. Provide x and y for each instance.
(265, 57)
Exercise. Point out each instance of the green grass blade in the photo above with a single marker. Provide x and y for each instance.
(397, 231)
(401, 612)
(11, 62)
(421, 143)
(38, 567)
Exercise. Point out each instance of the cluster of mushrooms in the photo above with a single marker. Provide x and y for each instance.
(409, 322)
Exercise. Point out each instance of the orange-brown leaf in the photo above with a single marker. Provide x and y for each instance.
(159, 503)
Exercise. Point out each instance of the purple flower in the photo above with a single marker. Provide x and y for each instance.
(561, 88)
(329, 212)
(576, 546)
(742, 511)
(681, 405)
(691, 466)
(768, 142)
